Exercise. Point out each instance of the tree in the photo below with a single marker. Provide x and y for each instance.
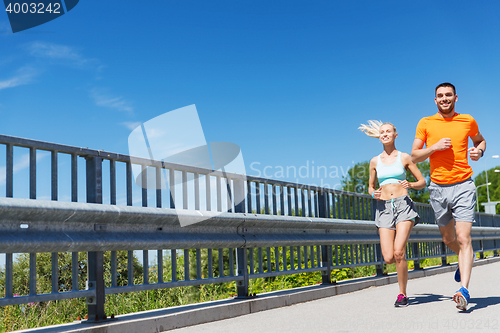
(356, 180)
(494, 188)
(423, 194)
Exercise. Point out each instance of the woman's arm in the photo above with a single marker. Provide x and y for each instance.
(373, 179)
(408, 164)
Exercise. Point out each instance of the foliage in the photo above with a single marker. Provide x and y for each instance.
(423, 194)
(356, 178)
(494, 188)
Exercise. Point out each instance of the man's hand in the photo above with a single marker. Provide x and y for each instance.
(442, 144)
(474, 153)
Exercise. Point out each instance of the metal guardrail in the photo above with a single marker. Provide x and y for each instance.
(246, 227)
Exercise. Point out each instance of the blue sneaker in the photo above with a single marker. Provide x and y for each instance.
(462, 298)
(457, 274)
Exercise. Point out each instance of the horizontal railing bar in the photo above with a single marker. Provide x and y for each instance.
(163, 285)
(42, 145)
(82, 242)
(84, 215)
(487, 249)
(66, 226)
(362, 264)
(428, 256)
(46, 297)
(288, 272)
(75, 215)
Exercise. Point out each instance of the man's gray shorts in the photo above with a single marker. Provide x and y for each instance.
(391, 212)
(453, 201)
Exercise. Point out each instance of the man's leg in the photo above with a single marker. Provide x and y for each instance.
(466, 254)
(450, 236)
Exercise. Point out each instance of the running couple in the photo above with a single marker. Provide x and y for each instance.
(452, 191)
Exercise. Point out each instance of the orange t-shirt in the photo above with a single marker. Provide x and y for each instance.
(448, 166)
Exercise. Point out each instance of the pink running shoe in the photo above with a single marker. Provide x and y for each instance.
(401, 302)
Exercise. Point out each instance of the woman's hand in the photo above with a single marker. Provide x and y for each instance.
(405, 184)
(377, 193)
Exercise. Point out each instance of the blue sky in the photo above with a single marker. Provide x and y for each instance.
(288, 81)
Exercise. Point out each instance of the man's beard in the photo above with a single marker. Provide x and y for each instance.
(447, 111)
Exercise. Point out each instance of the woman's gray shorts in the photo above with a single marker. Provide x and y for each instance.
(391, 212)
(453, 201)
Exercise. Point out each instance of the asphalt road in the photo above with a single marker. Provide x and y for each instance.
(431, 309)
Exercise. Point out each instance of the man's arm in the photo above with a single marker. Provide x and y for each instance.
(479, 143)
(420, 154)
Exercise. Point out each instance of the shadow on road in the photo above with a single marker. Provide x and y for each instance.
(427, 298)
(476, 303)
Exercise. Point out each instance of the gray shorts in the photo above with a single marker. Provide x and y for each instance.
(391, 212)
(453, 201)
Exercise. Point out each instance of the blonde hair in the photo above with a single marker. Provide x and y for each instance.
(373, 128)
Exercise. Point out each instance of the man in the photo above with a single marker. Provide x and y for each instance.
(452, 191)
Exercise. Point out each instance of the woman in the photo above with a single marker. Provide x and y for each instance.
(396, 214)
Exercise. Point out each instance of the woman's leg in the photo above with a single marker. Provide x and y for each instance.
(387, 244)
(403, 230)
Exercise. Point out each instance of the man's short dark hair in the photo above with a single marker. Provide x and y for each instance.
(446, 84)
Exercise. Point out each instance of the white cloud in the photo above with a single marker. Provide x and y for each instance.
(66, 54)
(103, 99)
(23, 76)
(56, 54)
(131, 125)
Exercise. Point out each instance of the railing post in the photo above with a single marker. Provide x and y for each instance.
(326, 250)
(94, 179)
(241, 253)
(444, 261)
(9, 176)
(379, 268)
(239, 195)
(95, 305)
(416, 250)
(95, 260)
(373, 208)
(242, 263)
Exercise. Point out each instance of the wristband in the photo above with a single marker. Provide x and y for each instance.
(482, 152)
(373, 194)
